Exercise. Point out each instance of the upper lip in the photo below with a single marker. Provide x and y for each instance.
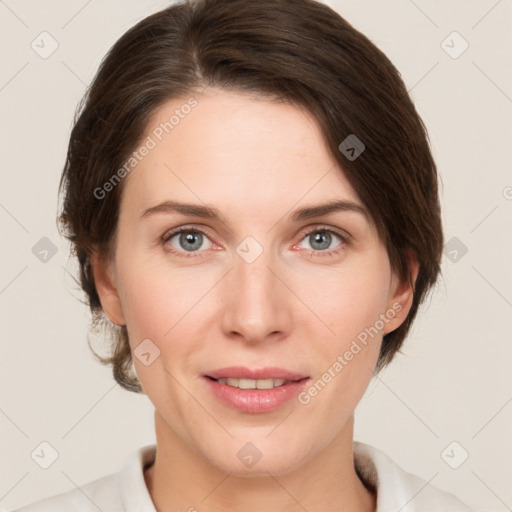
(241, 372)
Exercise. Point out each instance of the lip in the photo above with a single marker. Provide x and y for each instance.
(255, 401)
(241, 372)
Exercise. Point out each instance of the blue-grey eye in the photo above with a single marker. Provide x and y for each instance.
(188, 240)
(320, 240)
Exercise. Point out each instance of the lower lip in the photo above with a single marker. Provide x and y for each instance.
(255, 400)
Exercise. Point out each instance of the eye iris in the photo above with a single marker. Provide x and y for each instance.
(195, 239)
(322, 238)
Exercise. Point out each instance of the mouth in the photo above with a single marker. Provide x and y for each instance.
(244, 373)
(255, 391)
(253, 383)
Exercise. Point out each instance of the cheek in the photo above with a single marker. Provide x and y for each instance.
(345, 345)
(344, 355)
(348, 300)
(147, 305)
(166, 308)
(160, 302)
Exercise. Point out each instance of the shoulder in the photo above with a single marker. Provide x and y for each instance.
(124, 491)
(100, 494)
(399, 490)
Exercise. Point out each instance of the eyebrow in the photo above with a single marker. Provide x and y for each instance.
(208, 212)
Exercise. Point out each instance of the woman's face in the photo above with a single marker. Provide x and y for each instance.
(264, 283)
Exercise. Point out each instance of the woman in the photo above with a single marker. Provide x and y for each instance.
(253, 202)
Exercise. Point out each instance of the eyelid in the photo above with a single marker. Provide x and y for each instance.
(344, 235)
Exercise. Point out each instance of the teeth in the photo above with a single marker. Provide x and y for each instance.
(252, 384)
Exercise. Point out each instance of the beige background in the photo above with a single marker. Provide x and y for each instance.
(452, 384)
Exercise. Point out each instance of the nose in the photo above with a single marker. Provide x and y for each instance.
(258, 304)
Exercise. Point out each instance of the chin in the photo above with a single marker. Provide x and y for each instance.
(248, 460)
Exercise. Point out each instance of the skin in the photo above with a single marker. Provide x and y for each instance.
(255, 161)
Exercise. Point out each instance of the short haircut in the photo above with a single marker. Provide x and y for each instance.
(298, 51)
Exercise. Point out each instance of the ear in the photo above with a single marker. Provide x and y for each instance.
(402, 295)
(103, 274)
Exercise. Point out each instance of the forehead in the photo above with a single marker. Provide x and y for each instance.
(233, 149)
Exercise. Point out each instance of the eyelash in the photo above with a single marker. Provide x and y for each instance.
(314, 253)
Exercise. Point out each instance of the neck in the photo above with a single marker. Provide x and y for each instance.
(180, 479)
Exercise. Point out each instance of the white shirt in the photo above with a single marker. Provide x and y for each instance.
(126, 490)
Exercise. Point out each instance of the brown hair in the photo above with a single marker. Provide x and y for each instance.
(299, 51)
